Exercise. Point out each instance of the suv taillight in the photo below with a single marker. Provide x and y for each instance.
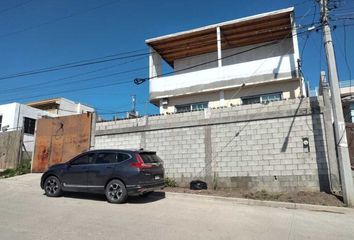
(140, 163)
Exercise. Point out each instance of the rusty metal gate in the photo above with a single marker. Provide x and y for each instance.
(350, 135)
(59, 139)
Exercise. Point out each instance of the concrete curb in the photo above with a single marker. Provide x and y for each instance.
(252, 202)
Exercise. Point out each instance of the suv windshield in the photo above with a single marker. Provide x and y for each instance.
(150, 157)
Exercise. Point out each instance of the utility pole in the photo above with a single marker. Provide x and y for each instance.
(133, 113)
(339, 124)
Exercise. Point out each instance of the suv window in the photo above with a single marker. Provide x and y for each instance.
(150, 157)
(106, 157)
(84, 159)
(123, 156)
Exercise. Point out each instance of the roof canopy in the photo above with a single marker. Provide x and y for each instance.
(260, 28)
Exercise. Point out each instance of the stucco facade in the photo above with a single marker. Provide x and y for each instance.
(227, 72)
(13, 117)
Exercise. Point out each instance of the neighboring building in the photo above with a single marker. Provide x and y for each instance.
(347, 95)
(15, 116)
(243, 61)
(61, 106)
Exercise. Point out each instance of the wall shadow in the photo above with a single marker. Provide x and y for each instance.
(286, 141)
(318, 132)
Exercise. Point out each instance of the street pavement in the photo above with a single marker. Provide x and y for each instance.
(26, 213)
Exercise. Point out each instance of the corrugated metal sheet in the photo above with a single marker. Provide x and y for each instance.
(60, 139)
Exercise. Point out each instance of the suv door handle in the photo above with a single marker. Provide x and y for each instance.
(109, 167)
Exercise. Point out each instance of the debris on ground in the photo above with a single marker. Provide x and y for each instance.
(317, 198)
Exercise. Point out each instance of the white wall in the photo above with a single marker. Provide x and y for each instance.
(8, 113)
(258, 71)
(68, 107)
(262, 65)
(13, 115)
(283, 48)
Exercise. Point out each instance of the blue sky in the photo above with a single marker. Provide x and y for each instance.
(43, 33)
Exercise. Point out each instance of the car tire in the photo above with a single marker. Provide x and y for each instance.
(116, 192)
(52, 187)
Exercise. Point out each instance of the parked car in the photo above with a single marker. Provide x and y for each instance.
(115, 173)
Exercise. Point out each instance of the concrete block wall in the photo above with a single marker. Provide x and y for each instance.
(249, 147)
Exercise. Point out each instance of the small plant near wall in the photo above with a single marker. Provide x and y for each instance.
(170, 182)
(215, 181)
(23, 168)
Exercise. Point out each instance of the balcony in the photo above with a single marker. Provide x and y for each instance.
(251, 50)
(253, 72)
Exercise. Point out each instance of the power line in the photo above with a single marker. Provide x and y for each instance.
(71, 90)
(15, 6)
(87, 62)
(68, 66)
(308, 34)
(138, 81)
(58, 19)
(252, 87)
(95, 78)
(344, 53)
(44, 83)
(96, 86)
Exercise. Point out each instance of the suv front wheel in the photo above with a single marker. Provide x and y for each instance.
(52, 187)
(116, 192)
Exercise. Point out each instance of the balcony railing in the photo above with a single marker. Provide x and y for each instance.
(252, 72)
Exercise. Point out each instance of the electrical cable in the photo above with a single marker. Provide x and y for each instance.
(58, 19)
(308, 34)
(138, 81)
(15, 6)
(67, 66)
(87, 62)
(118, 83)
(45, 83)
(70, 90)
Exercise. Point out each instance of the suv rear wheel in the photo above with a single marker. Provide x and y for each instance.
(116, 192)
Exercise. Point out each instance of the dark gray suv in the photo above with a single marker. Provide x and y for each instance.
(115, 173)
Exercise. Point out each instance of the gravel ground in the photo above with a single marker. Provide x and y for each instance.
(317, 198)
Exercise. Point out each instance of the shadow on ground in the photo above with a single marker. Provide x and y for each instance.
(152, 197)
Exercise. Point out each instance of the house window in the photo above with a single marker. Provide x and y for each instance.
(191, 107)
(199, 106)
(271, 97)
(251, 100)
(183, 108)
(265, 98)
(29, 125)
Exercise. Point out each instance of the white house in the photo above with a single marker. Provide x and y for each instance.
(15, 116)
(61, 106)
(243, 61)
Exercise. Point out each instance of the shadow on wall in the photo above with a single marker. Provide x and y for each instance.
(318, 132)
(286, 141)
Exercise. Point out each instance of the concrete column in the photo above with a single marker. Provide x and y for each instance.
(333, 168)
(93, 130)
(78, 110)
(155, 61)
(218, 38)
(222, 98)
(294, 38)
(162, 110)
